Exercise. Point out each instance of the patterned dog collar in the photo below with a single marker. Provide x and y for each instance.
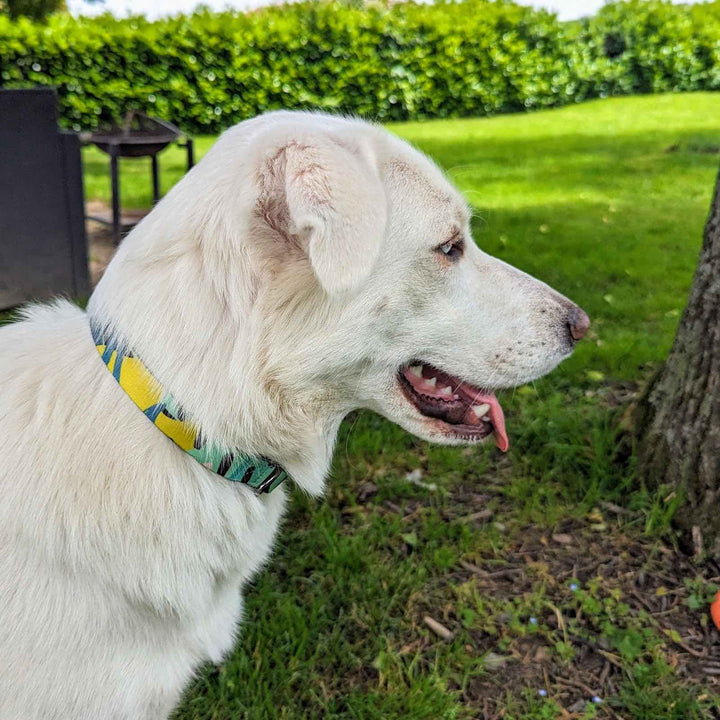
(259, 473)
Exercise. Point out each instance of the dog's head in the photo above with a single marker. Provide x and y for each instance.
(341, 260)
(376, 294)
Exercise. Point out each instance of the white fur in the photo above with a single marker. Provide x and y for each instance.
(278, 286)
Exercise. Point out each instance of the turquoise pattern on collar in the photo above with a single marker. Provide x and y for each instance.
(259, 473)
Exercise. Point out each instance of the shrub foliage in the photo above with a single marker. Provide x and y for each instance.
(387, 62)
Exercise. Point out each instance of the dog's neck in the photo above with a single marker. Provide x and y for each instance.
(161, 408)
(209, 356)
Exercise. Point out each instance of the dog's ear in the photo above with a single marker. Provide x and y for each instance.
(333, 208)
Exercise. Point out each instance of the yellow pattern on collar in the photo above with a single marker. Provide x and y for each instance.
(146, 392)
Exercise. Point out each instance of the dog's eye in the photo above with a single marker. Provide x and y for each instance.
(452, 249)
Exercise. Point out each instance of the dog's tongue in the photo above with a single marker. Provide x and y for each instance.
(495, 413)
(497, 417)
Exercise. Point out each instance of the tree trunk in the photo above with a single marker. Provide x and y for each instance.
(678, 418)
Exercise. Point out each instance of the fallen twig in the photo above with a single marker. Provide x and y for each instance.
(604, 674)
(569, 682)
(392, 506)
(668, 632)
(481, 515)
(614, 659)
(438, 628)
(695, 653)
(613, 508)
(697, 539)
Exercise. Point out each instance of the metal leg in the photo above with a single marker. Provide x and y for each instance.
(190, 153)
(115, 181)
(156, 180)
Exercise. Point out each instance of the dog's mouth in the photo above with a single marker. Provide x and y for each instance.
(464, 411)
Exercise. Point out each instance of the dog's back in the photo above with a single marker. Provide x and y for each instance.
(120, 563)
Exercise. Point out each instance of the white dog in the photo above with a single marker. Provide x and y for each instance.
(308, 266)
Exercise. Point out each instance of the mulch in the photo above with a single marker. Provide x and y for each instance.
(647, 575)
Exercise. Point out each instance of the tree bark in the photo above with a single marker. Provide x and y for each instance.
(678, 418)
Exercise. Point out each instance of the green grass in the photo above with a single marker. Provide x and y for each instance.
(606, 202)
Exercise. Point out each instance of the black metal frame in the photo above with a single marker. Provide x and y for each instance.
(115, 155)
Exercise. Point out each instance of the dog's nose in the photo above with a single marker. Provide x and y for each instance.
(578, 323)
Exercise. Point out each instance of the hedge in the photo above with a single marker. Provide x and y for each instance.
(386, 62)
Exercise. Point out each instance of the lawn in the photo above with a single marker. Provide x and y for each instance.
(554, 571)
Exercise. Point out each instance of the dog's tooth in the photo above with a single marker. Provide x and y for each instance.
(446, 390)
(486, 418)
(480, 410)
(416, 370)
(431, 382)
